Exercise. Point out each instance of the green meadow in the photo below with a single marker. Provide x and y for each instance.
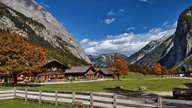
(18, 103)
(130, 83)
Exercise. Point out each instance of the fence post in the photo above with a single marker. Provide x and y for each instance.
(114, 101)
(15, 92)
(26, 94)
(56, 98)
(91, 99)
(40, 96)
(73, 98)
(159, 102)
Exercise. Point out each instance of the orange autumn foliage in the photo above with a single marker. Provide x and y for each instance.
(157, 69)
(18, 55)
(120, 64)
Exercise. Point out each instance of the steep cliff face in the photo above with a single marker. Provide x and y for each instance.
(153, 51)
(33, 21)
(174, 50)
(182, 41)
(103, 60)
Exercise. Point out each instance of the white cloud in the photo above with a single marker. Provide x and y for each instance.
(130, 28)
(45, 5)
(165, 24)
(85, 41)
(174, 25)
(109, 21)
(115, 13)
(111, 13)
(146, 1)
(121, 11)
(126, 43)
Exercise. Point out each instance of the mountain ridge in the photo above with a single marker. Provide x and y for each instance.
(175, 51)
(182, 47)
(144, 54)
(41, 24)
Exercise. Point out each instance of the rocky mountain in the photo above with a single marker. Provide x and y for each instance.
(153, 51)
(38, 25)
(103, 60)
(172, 49)
(182, 43)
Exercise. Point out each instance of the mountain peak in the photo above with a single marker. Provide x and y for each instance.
(51, 30)
(182, 42)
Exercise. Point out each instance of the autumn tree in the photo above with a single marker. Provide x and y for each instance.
(120, 64)
(19, 56)
(164, 71)
(173, 71)
(157, 69)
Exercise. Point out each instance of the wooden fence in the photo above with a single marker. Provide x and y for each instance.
(93, 99)
(90, 99)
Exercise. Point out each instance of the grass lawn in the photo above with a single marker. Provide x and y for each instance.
(130, 83)
(133, 75)
(17, 103)
(164, 84)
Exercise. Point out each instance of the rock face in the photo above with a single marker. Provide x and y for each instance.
(153, 51)
(44, 25)
(182, 47)
(103, 60)
(174, 50)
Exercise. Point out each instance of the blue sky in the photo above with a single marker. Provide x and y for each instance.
(116, 26)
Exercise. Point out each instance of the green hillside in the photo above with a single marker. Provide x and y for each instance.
(25, 24)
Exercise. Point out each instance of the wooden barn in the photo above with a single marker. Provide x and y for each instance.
(104, 73)
(52, 71)
(5, 78)
(80, 72)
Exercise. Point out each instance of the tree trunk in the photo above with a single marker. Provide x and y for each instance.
(118, 76)
(15, 78)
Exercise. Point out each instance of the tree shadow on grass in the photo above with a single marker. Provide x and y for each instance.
(131, 93)
(21, 85)
(189, 85)
(121, 90)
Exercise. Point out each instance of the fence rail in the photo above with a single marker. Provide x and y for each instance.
(6, 94)
(91, 99)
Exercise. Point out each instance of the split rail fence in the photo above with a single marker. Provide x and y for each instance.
(90, 99)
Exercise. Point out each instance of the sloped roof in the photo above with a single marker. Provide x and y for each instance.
(54, 62)
(78, 69)
(105, 71)
(49, 73)
(4, 75)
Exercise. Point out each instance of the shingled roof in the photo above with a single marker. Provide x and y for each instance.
(105, 71)
(78, 69)
(54, 62)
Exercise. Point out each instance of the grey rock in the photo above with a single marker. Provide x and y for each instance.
(182, 47)
(52, 30)
(153, 51)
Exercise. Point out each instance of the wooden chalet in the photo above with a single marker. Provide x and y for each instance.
(104, 73)
(5, 78)
(80, 72)
(52, 71)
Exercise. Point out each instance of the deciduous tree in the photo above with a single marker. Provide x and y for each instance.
(157, 69)
(19, 56)
(120, 64)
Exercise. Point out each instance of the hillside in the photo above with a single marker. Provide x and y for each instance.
(182, 42)
(153, 51)
(103, 60)
(28, 18)
(175, 50)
